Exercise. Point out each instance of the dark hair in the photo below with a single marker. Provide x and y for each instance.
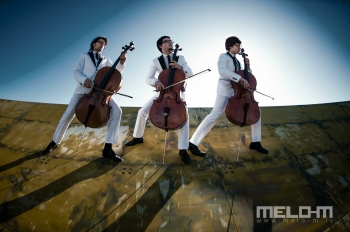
(230, 41)
(96, 39)
(160, 41)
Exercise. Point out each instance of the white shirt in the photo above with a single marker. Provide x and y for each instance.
(227, 73)
(156, 67)
(94, 53)
(86, 69)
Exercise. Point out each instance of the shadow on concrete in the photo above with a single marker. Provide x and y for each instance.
(14, 208)
(20, 161)
(141, 214)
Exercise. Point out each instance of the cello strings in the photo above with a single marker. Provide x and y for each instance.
(240, 141)
(166, 135)
(202, 72)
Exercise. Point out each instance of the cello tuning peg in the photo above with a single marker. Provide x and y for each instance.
(123, 47)
(180, 49)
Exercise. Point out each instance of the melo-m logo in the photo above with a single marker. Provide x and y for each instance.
(284, 212)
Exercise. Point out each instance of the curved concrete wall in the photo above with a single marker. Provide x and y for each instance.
(75, 189)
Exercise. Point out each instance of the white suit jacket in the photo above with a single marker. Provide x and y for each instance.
(86, 69)
(227, 73)
(156, 67)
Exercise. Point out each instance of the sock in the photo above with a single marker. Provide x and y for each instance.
(51, 145)
(108, 146)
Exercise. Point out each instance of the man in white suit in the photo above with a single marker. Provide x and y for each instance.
(227, 65)
(165, 46)
(88, 65)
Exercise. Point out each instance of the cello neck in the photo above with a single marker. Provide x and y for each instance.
(246, 72)
(172, 70)
(111, 70)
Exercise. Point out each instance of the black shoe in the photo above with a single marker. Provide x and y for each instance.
(195, 150)
(185, 157)
(52, 145)
(134, 141)
(109, 153)
(257, 146)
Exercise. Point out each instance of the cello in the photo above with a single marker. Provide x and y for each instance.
(168, 111)
(242, 109)
(92, 109)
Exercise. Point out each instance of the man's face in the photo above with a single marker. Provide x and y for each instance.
(99, 45)
(235, 49)
(167, 44)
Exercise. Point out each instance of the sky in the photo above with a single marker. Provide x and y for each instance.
(299, 49)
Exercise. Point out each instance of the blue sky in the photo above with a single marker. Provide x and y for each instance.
(299, 50)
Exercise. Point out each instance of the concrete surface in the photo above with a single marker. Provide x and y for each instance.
(76, 189)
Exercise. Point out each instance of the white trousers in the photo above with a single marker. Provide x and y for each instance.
(183, 133)
(210, 120)
(69, 114)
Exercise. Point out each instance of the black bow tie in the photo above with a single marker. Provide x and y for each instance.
(97, 56)
(236, 63)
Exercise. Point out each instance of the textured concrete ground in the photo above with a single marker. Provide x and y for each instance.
(76, 189)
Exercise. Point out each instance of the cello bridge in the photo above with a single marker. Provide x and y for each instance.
(168, 95)
(247, 95)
